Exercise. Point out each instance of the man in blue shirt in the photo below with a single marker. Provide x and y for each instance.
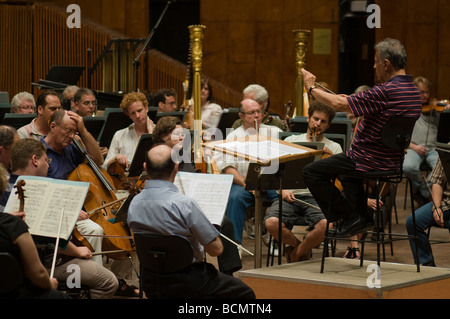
(161, 210)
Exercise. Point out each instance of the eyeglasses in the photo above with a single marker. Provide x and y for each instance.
(67, 131)
(33, 108)
(48, 160)
(252, 113)
(86, 103)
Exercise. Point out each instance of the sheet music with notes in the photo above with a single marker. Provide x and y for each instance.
(210, 191)
(45, 199)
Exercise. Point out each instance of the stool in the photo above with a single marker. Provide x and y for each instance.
(396, 135)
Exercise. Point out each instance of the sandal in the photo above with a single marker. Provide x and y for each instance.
(128, 291)
(352, 253)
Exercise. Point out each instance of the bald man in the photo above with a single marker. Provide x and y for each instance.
(159, 209)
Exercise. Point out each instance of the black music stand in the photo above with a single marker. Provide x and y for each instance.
(17, 120)
(137, 164)
(66, 74)
(288, 176)
(443, 134)
(180, 114)
(94, 124)
(115, 120)
(227, 119)
(152, 111)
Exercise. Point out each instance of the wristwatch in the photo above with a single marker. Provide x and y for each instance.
(311, 88)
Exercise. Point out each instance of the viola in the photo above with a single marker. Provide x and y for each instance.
(288, 107)
(435, 106)
(101, 191)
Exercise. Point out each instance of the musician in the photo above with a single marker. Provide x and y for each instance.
(435, 213)
(29, 158)
(165, 99)
(169, 131)
(161, 210)
(259, 94)
(210, 111)
(85, 102)
(8, 136)
(65, 157)
(124, 142)
(367, 153)
(63, 128)
(23, 102)
(240, 199)
(422, 147)
(16, 240)
(295, 212)
(47, 103)
(67, 97)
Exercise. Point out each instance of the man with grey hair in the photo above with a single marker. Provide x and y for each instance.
(259, 94)
(23, 102)
(395, 96)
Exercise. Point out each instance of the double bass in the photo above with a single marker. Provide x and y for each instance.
(117, 237)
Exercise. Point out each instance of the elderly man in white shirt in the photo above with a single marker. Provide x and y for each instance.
(240, 199)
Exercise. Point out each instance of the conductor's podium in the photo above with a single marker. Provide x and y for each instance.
(344, 278)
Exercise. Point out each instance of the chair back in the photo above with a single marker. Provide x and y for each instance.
(397, 132)
(11, 274)
(163, 254)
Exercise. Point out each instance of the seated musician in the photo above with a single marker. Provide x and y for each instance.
(422, 150)
(46, 104)
(435, 213)
(85, 104)
(29, 158)
(66, 157)
(259, 94)
(125, 141)
(8, 136)
(240, 199)
(156, 210)
(169, 131)
(165, 100)
(296, 212)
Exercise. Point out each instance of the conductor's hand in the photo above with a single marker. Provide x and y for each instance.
(309, 79)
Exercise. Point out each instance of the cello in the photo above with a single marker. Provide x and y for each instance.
(101, 191)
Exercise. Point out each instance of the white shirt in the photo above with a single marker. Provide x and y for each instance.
(124, 142)
(334, 147)
(211, 113)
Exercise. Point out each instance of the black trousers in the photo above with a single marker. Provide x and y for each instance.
(319, 178)
(199, 280)
(229, 261)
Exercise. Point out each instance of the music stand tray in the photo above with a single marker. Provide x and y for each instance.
(136, 166)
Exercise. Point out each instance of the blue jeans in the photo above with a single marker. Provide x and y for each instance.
(411, 169)
(424, 220)
(238, 202)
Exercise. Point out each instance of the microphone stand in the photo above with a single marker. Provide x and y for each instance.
(136, 62)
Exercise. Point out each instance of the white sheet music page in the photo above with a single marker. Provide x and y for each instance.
(44, 199)
(265, 150)
(210, 191)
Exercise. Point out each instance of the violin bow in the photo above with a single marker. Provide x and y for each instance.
(56, 244)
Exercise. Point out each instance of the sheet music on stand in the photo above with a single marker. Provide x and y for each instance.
(210, 191)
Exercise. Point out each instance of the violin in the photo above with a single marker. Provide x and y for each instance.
(287, 117)
(101, 191)
(435, 106)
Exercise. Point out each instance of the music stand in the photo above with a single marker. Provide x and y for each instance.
(115, 120)
(227, 119)
(180, 114)
(94, 124)
(17, 120)
(152, 111)
(136, 166)
(443, 134)
(256, 180)
(65, 74)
